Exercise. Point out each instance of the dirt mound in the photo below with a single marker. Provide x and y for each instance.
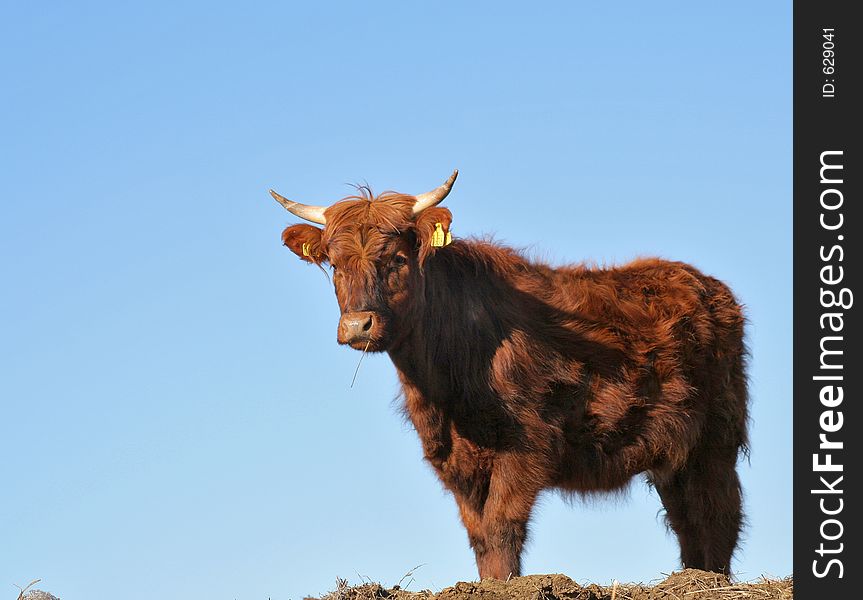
(690, 584)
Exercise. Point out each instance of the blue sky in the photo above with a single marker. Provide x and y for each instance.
(176, 414)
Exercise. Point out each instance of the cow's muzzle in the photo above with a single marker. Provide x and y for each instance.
(356, 327)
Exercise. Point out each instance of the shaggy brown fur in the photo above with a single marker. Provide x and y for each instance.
(520, 377)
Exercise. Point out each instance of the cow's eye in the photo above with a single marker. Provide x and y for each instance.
(400, 260)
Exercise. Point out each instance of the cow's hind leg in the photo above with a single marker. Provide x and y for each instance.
(703, 499)
(703, 507)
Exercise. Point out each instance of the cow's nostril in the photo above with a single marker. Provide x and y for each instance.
(357, 327)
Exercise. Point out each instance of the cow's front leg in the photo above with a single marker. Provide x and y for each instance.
(470, 487)
(470, 511)
(504, 522)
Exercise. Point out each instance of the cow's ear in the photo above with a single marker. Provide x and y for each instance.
(304, 241)
(432, 227)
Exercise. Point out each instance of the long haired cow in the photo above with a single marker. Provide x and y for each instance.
(520, 377)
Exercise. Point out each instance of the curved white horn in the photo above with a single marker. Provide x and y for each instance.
(435, 196)
(315, 214)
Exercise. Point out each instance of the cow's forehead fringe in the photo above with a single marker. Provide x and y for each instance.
(359, 226)
(390, 212)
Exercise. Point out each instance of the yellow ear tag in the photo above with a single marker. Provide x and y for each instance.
(306, 249)
(448, 239)
(438, 238)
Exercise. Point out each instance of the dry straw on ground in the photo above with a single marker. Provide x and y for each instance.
(27, 594)
(689, 584)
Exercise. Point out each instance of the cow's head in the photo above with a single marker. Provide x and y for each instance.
(376, 247)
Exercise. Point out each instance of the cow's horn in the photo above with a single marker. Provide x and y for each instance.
(435, 196)
(315, 214)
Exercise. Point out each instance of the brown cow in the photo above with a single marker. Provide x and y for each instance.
(520, 377)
